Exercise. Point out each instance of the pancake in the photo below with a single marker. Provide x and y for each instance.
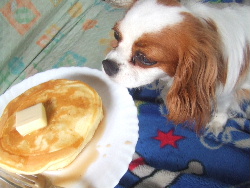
(73, 110)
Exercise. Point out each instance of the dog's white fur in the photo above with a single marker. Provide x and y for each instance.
(233, 27)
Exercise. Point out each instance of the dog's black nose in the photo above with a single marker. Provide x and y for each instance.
(110, 67)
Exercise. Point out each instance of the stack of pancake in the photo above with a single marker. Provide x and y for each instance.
(74, 111)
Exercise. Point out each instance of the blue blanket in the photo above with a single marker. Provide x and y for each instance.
(176, 157)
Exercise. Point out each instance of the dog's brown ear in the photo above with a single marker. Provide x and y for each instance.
(191, 97)
(169, 2)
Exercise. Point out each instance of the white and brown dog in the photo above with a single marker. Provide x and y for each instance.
(202, 52)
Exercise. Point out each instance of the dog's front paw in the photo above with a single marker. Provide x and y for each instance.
(217, 124)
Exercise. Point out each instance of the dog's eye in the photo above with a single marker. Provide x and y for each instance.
(117, 36)
(140, 57)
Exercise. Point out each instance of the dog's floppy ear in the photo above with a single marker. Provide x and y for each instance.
(191, 97)
(170, 2)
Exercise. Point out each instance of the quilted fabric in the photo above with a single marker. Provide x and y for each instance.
(39, 35)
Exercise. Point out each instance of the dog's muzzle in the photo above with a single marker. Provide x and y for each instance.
(110, 67)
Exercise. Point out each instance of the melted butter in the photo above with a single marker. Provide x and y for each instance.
(77, 169)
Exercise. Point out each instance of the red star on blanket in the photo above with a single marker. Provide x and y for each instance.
(168, 138)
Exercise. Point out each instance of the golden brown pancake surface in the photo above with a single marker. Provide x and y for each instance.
(74, 111)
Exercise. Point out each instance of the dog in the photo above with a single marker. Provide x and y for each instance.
(200, 51)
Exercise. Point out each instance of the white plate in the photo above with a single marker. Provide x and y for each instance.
(104, 161)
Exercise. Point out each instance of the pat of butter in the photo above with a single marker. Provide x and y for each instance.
(31, 119)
